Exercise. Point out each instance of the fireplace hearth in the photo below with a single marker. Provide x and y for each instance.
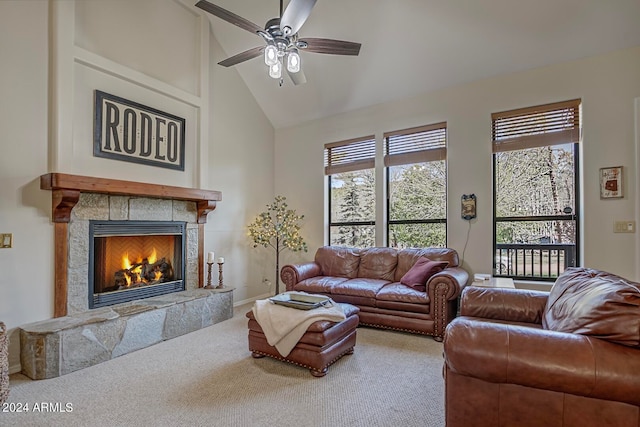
(131, 260)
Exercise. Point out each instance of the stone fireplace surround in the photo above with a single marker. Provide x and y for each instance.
(103, 207)
(79, 337)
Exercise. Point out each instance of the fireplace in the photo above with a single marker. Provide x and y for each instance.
(131, 260)
(161, 229)
(79, 203)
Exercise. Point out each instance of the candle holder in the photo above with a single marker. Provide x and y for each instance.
(220, 276)
(209, 285)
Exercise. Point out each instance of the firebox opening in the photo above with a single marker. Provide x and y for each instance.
(131, 260)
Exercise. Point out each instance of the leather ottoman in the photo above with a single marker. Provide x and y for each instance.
(322, 344)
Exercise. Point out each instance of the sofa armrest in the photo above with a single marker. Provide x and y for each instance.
(511, 305)
(443, 289)
(454, 278)
(294, 273)
(542, 359)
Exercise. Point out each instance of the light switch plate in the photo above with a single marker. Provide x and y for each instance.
(624, 227)
(6, 241)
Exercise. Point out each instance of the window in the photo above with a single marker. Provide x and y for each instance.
(350, 167)
(535, 155)
(416, 186)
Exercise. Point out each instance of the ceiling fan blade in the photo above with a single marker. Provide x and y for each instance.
(228, 16)
(242, 56)
(295, 15)
(333, 47)
(297, 78)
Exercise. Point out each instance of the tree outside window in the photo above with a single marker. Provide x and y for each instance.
(417, 186)
(417, 205)
(353, 209)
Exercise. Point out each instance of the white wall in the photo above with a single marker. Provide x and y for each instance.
(607, 86)
(26, 270)
(155, 63)
(162, 55)
(241, 166)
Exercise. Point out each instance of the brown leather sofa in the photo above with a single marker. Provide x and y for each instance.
(567, 358)
(370, 279)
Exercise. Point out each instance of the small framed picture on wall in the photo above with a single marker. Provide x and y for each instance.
(611, 183)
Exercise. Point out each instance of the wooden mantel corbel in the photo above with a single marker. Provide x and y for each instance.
(65, 194)
(62, 202)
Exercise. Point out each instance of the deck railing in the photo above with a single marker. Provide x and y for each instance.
(533, 261)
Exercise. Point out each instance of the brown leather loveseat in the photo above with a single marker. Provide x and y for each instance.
(567, 358)
(371, 279)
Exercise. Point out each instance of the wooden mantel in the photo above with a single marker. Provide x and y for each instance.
(67, 188)
(65, 194)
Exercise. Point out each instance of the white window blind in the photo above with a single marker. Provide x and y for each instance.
(352, 155)
(540, 126)
(416, 145)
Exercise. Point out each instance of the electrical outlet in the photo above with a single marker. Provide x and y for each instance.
(624, 227)
(6, 240)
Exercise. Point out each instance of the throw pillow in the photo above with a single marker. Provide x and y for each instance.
(422, 271)
(593, 302)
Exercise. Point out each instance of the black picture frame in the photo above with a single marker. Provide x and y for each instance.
(132, 132)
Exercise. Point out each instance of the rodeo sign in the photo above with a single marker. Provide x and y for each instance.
(126, 130)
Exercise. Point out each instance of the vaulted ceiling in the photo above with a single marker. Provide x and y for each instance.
(410, 47)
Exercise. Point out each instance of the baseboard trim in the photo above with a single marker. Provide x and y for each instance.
(15, 369)
(252, 299)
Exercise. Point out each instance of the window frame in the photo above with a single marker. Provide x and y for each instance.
(436, 153)
(359, 163)
(525, 142)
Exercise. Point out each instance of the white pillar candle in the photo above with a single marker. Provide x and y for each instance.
(221, 260)
(211, 256)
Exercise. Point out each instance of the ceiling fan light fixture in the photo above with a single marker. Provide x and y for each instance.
(280, 35)
(293, 61)
(270, 55)
(275, 70)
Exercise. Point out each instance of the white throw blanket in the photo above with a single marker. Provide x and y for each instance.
(284, 326)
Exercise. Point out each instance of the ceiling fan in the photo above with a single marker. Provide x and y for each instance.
(281, 38)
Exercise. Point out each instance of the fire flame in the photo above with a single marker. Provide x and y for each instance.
(135, 273)
(153, 257)
(126, 264)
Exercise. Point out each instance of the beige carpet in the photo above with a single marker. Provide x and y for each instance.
(208, 378)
